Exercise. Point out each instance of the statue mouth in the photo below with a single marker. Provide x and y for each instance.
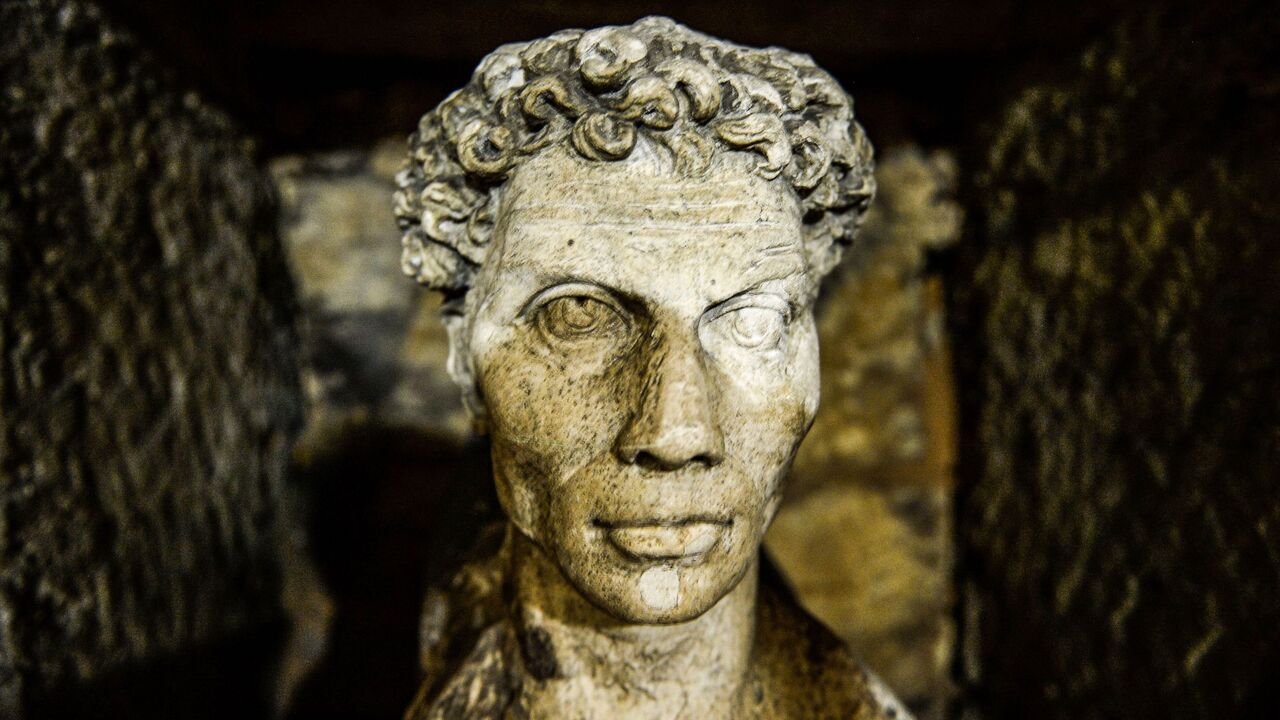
(651, 540)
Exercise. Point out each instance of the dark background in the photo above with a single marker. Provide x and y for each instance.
(305, 75)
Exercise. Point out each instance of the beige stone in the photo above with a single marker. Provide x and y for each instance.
(375, 348)
(631, 225)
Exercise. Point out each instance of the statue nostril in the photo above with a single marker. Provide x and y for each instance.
(707, 459)
(649, 461)
(658, 457)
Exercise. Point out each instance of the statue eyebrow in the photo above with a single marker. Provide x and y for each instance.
(758, 289)
(783, 303)
(625, 300)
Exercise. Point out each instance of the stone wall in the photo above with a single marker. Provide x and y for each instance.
(1115, 320)
(148, 383)
(374, 341)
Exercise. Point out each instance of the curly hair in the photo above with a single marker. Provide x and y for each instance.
(603, 91)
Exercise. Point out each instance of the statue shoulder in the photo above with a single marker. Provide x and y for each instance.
(484, 686)
(805, 671)
(465, 642)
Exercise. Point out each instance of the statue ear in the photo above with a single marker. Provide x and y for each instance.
(459, 365)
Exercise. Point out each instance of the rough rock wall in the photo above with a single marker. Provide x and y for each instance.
(1117, 325)
(375, 346)
(148, 384)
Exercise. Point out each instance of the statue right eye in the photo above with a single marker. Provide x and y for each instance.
(580, 317)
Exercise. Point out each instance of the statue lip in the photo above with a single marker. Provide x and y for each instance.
(683, 539)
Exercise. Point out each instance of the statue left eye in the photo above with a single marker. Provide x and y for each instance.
(577, 316)
(756, 327)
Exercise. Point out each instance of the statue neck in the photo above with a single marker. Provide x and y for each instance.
(583, 662)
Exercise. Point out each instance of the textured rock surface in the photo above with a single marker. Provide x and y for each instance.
(397, 485)
(147, 382)
(1120, 378)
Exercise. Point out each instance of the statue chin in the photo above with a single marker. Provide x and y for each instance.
(660, 594)
(638, 591)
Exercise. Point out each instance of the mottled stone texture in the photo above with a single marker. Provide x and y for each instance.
(397, 487)
(147, 382)
(863, 536)
(1120, 375)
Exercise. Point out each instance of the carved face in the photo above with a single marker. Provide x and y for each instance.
(644, 347)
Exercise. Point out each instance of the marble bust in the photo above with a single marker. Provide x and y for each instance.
(630, 225)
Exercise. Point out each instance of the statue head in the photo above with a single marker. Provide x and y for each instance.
(630, 225)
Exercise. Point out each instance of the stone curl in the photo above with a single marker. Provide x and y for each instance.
(602, 92)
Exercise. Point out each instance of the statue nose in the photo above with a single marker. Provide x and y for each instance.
(674, 423)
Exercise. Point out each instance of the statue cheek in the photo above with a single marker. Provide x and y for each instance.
(551, 417)
(522, 496)
(773, 415)
(547, 427)
(803, 385)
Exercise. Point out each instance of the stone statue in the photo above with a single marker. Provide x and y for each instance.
(630, 225)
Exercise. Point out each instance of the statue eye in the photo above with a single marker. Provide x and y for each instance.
(573, 317)
(754, 324)
(756, 327)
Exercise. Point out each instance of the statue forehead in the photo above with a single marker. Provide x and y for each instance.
(560, 188)
(655, 234)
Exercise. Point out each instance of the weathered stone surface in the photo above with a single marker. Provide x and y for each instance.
(394, 484)
(883, 583)
(1120, 381)
(630, 225)
(864, 535)
(147, 383)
